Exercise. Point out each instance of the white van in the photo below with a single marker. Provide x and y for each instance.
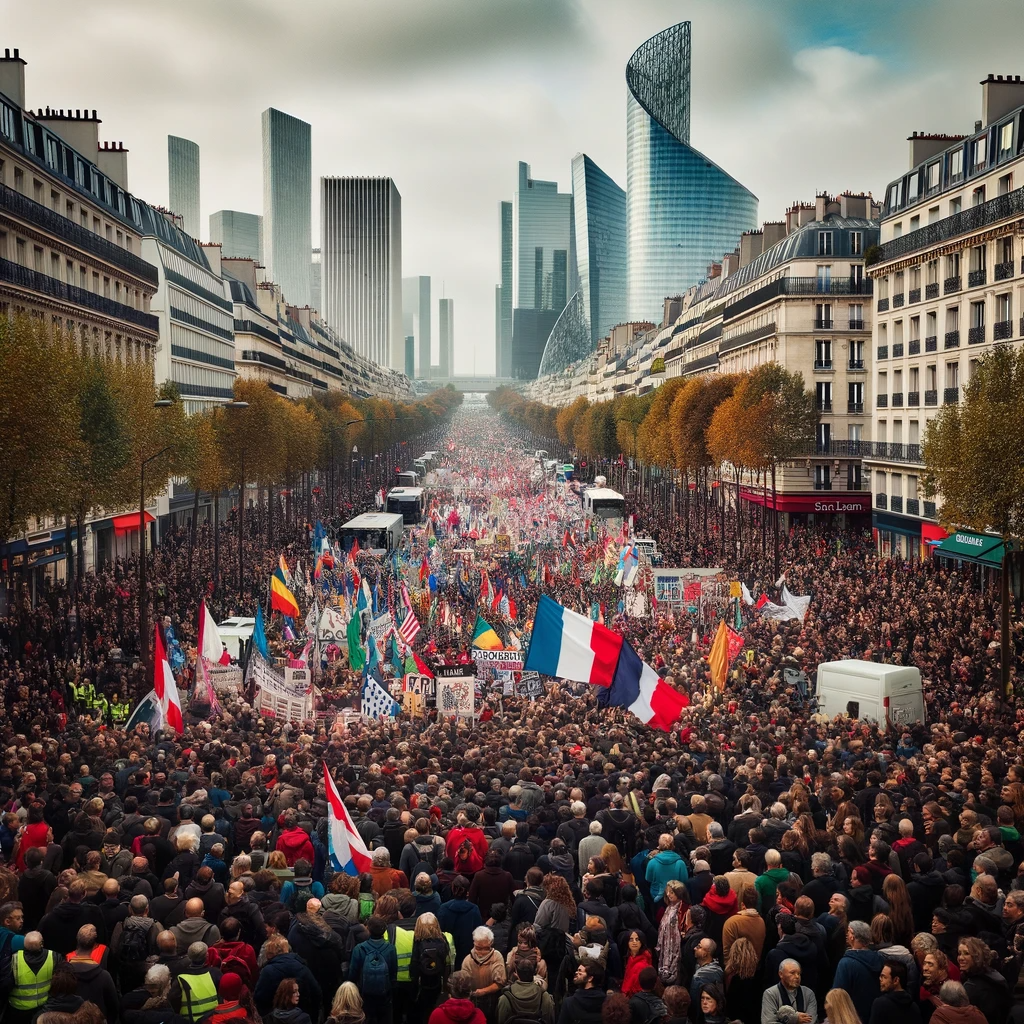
(601, 502)
(234, 633)
(377, 532)
(865, 690)
(648, 548)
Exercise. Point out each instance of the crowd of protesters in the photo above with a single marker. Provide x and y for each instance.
(550, 861)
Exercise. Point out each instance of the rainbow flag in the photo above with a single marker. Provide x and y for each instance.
(484, 636)
(281, 598)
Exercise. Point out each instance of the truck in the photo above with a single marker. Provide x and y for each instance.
(379, 533)
(409, 502)
(888, 694)
(601, 502)
(407, 478)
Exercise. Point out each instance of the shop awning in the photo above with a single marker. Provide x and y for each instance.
(982, 548)
(129, 522)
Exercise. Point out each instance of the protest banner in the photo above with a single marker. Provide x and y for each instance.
(225, 679)
(530, 685)
(279, 697)
(499, 661)
(456, 691)
(423, 685)
(380, 627)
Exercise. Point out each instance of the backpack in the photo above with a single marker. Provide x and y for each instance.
(300, 896)
(432, 960)
(518, 1016)
(376, 978)
(365, 907)
(427, 854)
(134, 946)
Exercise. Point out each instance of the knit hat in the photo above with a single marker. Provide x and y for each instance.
(231, 988)
(862, 874)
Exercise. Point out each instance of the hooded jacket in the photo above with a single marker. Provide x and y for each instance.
(294, 843)
(894, 1008)
(287, 965)
(526, 999)
(864, 904)
(341, 904)
(457, 1011)
(95, 986)
(857, 975)
(195, 929)
(320, 947)
(60, 926)
(925, 890)
(582, 1007)
(429, 902)
(767, 885)
(805, 951)
(664, 867)
(458, 918)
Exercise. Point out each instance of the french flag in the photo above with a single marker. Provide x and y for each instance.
(347, 850)
(568, 645)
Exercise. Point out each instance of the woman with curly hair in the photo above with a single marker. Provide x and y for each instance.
(743, 986)
(342, 897)
(558, 909)
(526, 948)
(986, 988)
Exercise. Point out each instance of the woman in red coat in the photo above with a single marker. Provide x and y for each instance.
(638, 956)
(34, 833)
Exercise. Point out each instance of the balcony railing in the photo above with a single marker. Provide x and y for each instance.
(796, 286)
(856, 364)
(914, 295)
(931, 344)
(823, 483)
(951, 340)
(897, 300)
(976, 278)
(823, 364)
(950, 396)
(1003, 271)
(856, 325)
(897, 350)
(881, 401)
(914, 347)
(929, 510)
(883, 305)
(882, 352)
(881, 501)
(824, 406)
(855, 408)
(972, 219)
(913, 506)
(74, 234)
(897, 399)
(1002, 330)
(976, 335)
(821, 324)
(931, 398)
(931, 291)
(913, 399)
(22, 277)
(896, 503)
(909, 453)
(952, 284)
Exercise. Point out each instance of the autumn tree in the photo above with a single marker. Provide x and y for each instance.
(565, 421)
(974, 459)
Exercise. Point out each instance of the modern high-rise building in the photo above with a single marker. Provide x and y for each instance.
(239, 234)
(416, 316)
(183, 182)
(446, 338)
(540, 237)
(505, 296)
(315, 280)
(361, 243)
(682, 210)
(287, 203)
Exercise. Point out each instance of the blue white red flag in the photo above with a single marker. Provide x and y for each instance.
(346, 850)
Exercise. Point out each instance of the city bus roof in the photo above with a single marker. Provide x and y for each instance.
(405, 493)
(603, 494)
(373, 521)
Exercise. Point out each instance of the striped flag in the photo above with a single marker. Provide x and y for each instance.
(346, 848)
(409, 628)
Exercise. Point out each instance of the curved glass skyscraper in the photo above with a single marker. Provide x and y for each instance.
(682, 210)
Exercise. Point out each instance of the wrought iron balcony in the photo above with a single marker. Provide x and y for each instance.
(931, 344)
(914, 295)
(32, 280)
(823, 483)
(883, 305)
(897, 300)
(908, 453)
(821, 324)
(856, 325)
(855, 408)
(896, 503)
(897, 399)
(952, 284)
(881, 501)
(950, 396)
(931, 291)
(976, 278)
(914, 347)
(976, 335)
(882, 352)
(929, 510)
(823, 364)
(824, 406)
(913, 506)
(856, 364)
(1002, 330)
(952, 339)
(897, 350)
(1003, 271)
(796, 286)
(931, 398)
(881, 401)
(913, 399)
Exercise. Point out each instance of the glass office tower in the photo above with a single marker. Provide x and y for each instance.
(416, 319)
(287, 203)
(239, 234)
(183, 182)
(504, 304)
(682, 210)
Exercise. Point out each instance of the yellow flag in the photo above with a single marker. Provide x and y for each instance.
(718, 659)
(734, 589)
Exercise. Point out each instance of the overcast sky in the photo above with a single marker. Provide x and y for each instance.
(790, 96)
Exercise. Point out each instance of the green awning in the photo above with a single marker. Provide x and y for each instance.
(982, 548)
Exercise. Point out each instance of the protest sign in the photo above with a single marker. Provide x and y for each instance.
(280, 697)
(423, 685)
(380, 627)
(530, 685)
(456, 691)
(499, 661)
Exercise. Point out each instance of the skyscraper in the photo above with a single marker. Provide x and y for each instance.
(287, 205)
(540, 223)
(416, 319)
(503, 313)
(183, 182)
(446, 338)
(239, 234)
(682, 210)
(361, 243)
(315, 281)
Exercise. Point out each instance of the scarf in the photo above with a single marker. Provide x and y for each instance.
(784, 997)
(669, 944)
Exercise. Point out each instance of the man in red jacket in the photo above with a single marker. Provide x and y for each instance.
(293, 841)
(467, 844)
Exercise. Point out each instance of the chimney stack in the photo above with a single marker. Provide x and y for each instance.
(12, 77)
(999, 95)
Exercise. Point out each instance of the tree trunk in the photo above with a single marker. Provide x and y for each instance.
(216, 543)
(195, 527)
(775, 520)
(69, 558)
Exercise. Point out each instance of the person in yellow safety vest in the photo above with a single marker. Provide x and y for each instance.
(84, 694)
(194, 992)
(402, 935)
(120, 710)
(31, 974)
(427, 970)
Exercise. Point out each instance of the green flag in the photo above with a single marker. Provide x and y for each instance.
(356, 654)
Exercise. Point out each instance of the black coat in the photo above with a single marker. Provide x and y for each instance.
(322, 949)
(821, 890)
(894, 1008)
(925, 891)
(60, 927)
(990, 994)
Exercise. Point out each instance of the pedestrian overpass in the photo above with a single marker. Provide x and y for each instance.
(470, 384)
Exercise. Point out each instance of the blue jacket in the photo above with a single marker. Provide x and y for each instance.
(663, 868)
(288, 965)
(428, 904)
(857, 974)
(459, 918)
(360, 953)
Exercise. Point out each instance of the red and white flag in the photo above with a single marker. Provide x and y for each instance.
(210, 645)
(164, 686)
(409, 628)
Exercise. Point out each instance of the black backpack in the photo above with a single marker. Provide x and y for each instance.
(134, 947)
(432, 960)
(300, 897)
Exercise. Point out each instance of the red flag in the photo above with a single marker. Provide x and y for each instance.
(421, 665)
(692, 591)
(761, 601)
(735, 644)
(424, 569)
(164, 686)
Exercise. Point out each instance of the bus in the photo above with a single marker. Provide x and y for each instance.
(602, 502)
(379, 533)
(409, 502)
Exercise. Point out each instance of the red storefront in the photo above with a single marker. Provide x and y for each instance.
(819, 506)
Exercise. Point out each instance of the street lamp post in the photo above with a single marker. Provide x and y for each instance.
(344, 427)
(237, 406)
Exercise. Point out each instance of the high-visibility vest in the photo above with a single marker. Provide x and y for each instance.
(120, 711)
(198, 995)
(30, 989)
(402, 939)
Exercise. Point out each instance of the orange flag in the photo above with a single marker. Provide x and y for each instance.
(718, 659)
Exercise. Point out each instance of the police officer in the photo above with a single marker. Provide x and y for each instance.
(84, 694)
(120, 710)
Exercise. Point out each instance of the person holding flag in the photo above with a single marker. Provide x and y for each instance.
(346, 850)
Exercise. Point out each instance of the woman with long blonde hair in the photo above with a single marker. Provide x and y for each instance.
(839, 1008)
(743, 985)
(347, 1007)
